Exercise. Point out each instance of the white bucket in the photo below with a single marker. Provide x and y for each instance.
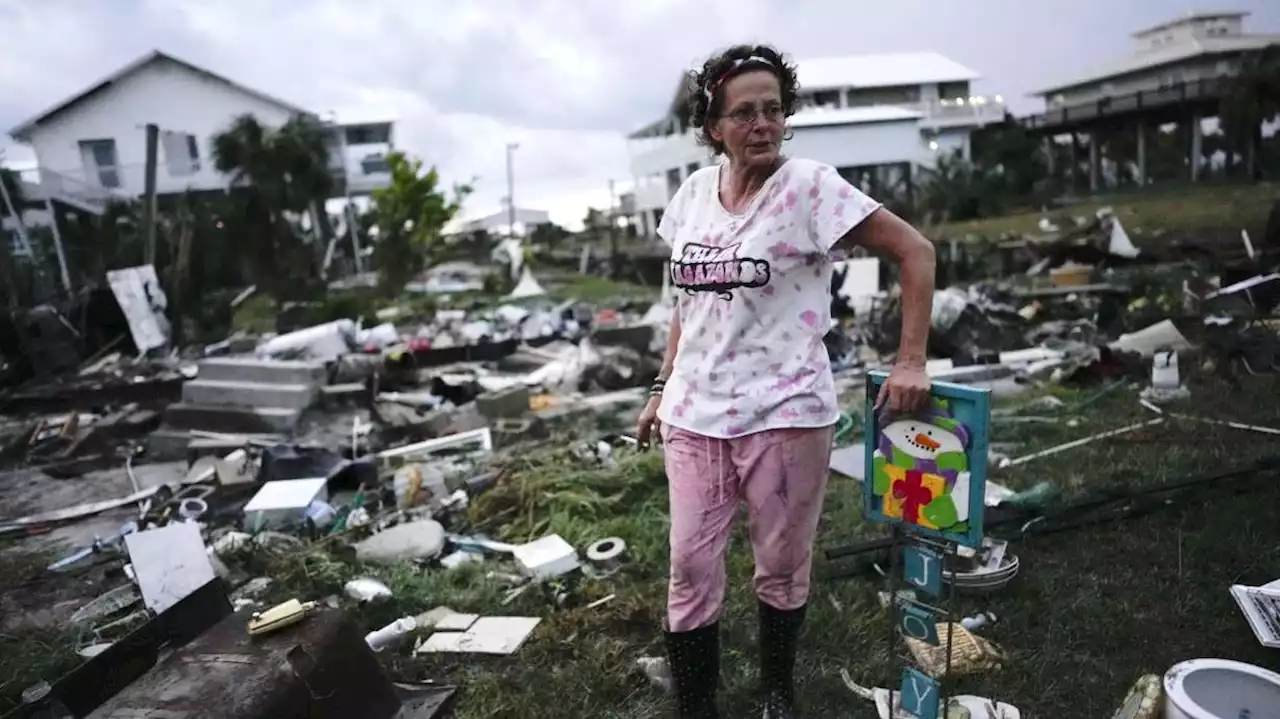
(1220, 689)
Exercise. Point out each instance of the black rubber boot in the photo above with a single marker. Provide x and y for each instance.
(694, 657)
(779, 629)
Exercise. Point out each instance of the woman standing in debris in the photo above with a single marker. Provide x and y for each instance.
(745, 399)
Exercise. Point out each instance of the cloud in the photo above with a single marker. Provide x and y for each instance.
(564, 78)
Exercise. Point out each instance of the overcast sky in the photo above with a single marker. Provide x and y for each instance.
(564, 78)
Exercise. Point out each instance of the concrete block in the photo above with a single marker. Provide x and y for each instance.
(245, 369)
(269, 420)
(513, 402)
(226, 393)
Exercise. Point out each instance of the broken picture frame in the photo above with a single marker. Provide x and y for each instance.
(927, 472)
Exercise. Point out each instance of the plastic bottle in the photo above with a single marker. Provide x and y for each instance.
(380, 639)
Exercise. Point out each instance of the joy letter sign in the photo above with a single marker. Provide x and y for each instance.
(926, 476)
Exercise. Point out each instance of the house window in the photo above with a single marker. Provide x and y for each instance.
(100, 162)
(954, 90)
(827, 98)
(374, 164)
(691, 168)
(673, 182)
(181, 153)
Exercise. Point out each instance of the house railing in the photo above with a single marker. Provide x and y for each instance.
(1208, 89)
(74, 191)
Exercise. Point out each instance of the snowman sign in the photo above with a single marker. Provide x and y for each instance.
(927, 471)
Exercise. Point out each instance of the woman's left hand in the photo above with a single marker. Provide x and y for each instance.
(906, 390)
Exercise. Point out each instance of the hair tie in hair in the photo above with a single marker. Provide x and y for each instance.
(712, 86)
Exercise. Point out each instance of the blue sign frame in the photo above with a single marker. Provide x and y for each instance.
(907, 486)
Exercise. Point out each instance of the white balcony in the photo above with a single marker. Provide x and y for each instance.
(362, 176)
(650, 193)
(936, 114)
(966, 112)
(654, 155)
(92, 191)
(41, 183)
(358, 156)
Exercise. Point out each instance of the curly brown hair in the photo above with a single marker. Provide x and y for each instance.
(723, 66)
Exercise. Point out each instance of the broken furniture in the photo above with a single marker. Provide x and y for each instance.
(109, 671)
(319, 668)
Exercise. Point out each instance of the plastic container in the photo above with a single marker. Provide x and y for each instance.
(399, 629)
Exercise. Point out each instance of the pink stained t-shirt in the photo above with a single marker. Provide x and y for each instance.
(754, 297)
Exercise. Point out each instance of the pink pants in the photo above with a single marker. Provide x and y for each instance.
(782, 475)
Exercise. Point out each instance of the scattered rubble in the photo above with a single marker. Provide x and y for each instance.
(373, 445)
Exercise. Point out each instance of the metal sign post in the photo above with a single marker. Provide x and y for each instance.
(925, 477)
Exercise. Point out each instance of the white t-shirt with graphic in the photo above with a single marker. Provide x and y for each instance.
(754, 296)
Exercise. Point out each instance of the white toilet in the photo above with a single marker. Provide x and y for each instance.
(1220, 689)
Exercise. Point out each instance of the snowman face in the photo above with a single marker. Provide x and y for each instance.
(921, 439)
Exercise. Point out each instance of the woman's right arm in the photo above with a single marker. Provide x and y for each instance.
(647, 425)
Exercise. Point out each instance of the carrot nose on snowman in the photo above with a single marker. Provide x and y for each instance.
(926, 441)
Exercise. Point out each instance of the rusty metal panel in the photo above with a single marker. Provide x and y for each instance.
(320, 668)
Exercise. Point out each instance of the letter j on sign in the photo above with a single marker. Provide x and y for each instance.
(920, 694)
(922, 569)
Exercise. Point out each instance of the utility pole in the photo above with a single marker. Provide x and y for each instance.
(511, 190)
(57, 244)
(612, 217)
(149, 195)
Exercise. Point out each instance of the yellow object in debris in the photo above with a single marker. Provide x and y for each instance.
(540, 401)
(279, 617)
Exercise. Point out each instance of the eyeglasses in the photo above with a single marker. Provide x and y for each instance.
(749, 115)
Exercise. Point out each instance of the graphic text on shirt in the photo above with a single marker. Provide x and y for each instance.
(702, 268)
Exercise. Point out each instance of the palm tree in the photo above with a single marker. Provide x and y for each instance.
(953, 190)
(411, 213)
(277, 175)
(1251, 99)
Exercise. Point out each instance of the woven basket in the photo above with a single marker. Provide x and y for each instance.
(972, 653)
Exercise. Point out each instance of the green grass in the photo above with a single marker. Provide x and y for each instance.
(256, 315)
(1092, 610)
(599, 289)
(1152, 210)
(29, 653)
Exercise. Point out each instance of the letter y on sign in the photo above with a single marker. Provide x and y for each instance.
(919, 694)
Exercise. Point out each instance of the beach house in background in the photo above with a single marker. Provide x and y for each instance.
(876, 118)
(499, 223)
(1174, 74)
(91, 147)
